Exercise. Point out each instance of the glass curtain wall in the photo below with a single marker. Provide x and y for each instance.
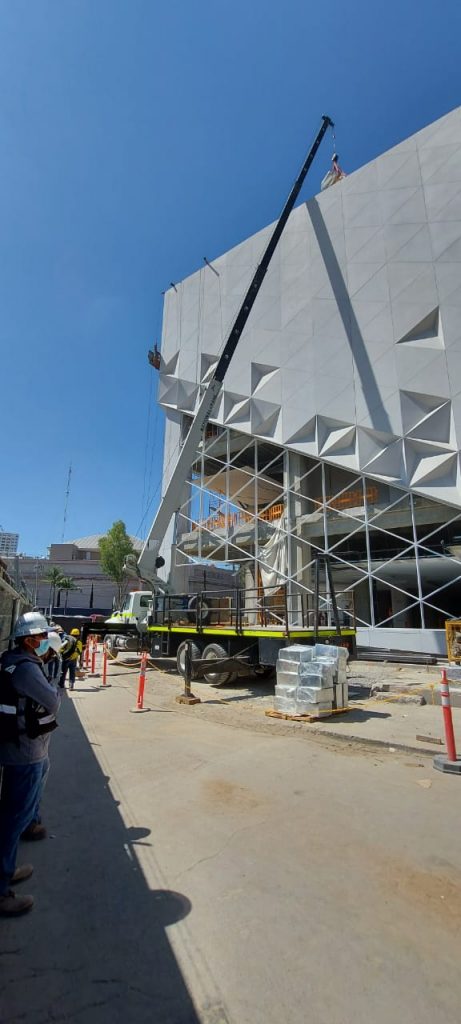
(395, 558)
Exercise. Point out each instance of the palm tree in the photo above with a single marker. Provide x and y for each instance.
(67, 584)
(54, 577)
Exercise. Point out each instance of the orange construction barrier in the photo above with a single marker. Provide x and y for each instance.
(448, 762)
(86, 654)
(94, 648)
(104, 665)
(142, 683)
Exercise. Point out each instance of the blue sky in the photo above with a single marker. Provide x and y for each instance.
(138, 137)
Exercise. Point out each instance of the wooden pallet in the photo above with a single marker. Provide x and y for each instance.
(271, 713)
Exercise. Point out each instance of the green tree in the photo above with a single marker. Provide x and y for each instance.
(114, 548)
(67, 584)
(54, 577)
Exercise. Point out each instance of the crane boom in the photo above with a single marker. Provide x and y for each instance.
(172, 496)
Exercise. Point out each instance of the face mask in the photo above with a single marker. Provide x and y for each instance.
(42, 647)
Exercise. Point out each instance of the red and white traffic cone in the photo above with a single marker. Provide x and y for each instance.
(448, 762)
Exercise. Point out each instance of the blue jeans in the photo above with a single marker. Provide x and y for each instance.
(36, 819)
(72, 667)
(20, 787)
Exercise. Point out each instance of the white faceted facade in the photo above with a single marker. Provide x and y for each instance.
(350, 369)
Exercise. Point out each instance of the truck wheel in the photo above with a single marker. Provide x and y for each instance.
(180, 658)
(192, 613)
(211, 653)
(264, 671)
(111, 648)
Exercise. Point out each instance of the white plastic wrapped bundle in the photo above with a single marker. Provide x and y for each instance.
(287, 679)
(288, 665)
(285, 704)
(311, 680)
(334, 175)
(340, 654)
(285, 691)
(307, 707)
(328, 653)
(289, 668)
(314, 695)
(330, 178)
(325, 651)
(317, 674)
(342, 695)
(296, 652)
(315, 678)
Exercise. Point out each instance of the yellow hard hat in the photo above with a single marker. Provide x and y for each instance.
(75, 632)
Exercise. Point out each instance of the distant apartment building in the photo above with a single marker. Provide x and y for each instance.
(80, 560)
(96, 592)
(8, 543)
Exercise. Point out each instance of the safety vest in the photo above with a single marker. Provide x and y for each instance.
(13, 707)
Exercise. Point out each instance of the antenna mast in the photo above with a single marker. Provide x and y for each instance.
(66, 502)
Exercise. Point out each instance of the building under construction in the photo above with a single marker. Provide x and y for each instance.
(339, 424)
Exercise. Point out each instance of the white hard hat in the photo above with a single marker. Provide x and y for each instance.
(55, 641)
(30, 624)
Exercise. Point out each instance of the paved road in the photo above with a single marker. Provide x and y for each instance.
(202, 873)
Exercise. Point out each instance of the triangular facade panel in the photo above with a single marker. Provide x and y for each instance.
(416, 407)
(426, 334)
(264, 417)
(236, 408)
(168, 368)
(363, 301)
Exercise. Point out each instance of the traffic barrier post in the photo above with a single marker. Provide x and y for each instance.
(93, 656)
(104, 665)
(448, 762)
(141, 686)
(187, 697)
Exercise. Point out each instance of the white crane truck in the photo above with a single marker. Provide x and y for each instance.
(227, 628)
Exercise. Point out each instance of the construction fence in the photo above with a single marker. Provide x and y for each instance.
(13, 602)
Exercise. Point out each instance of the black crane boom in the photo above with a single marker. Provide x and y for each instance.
(261, 270)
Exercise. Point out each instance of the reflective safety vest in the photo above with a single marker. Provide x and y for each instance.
(14, 707)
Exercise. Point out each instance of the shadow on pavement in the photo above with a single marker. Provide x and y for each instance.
(95, 948)
(363, 714)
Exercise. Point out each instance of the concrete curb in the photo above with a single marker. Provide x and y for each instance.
(404, 748)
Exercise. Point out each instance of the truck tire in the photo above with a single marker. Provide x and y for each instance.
(211, 653)
(264, 671)
(192, 613)
(111, 649)
(195, 652)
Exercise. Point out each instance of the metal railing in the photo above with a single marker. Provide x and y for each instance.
(258, 607)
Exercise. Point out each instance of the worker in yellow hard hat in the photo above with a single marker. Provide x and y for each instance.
(71, 653)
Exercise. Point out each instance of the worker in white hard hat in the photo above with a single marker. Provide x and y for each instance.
(52, 660)
(52, 664)
(28, 708)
